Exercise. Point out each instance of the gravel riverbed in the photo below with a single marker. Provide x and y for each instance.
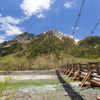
(62, 91)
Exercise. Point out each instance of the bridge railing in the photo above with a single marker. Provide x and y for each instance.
(84, 72)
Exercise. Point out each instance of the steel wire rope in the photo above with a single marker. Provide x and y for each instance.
(77, 54)
(95, 26)
(98, 20)
(78, 17)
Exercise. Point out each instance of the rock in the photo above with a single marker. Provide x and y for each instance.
(23, 38)
(20, 94)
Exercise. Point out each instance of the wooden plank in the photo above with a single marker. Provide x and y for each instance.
(83, 64)
(85, 79)
(81, 76)
(89, 67)
(95, 67)
(85, 71)
(77, 73)
(68, 70)
(98, 98)
(96, 76)
(72, 71)
(94, 71)
(94, 62)
(95, 81)
(85, 68)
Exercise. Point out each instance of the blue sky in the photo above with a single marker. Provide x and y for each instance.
(37, 16)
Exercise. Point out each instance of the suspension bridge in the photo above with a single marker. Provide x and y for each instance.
(89, 71)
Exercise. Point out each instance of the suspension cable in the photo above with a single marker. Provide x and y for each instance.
(78, 17)
(98, 18)
(95, 27)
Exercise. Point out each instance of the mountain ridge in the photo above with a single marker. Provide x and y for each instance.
(27, 37)
(22, 38)
(58, 34)
(52, 42)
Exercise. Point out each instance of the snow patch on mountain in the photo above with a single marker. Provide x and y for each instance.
(61, 35)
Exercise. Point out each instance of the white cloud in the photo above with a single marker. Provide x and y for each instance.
(11, 29)
(0, 15)
(69, 4)
(77, 28)
(2, 39)
(72, 27)
(9, 19)
(36, 7)
(41, 16)
(8, 25)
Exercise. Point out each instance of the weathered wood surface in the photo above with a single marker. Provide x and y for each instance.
(86, 72)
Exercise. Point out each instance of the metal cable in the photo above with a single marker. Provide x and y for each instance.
(78, 17)
(95, 27)
(98, 18)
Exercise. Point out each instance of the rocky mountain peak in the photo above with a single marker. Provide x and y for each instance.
(54, 30)
(23, 38)
(58, 34)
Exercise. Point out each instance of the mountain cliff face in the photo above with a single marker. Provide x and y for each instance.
(23, 38)
(58, 34)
